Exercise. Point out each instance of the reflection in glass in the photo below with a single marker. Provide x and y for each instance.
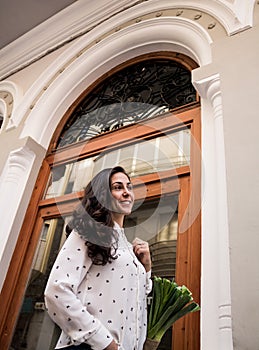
(34, 329)
(157, 223)
(159, 154)
(69, 178)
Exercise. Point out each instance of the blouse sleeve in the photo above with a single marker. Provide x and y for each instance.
(61, 295)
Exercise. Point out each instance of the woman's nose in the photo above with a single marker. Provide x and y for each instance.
(126, 192)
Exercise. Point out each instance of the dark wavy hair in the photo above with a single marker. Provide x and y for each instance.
(92, 218)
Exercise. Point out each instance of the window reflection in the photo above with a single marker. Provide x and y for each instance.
(69, 178)
(159, 154)
(157, 222)
(34, 329)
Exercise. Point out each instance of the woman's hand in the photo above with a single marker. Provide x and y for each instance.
(112, 346)
(141, 250)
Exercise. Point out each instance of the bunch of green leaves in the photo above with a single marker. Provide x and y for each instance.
(169, 303)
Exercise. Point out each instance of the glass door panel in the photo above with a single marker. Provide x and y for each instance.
(157, 222)
(34, 329)
(161, 153)
(165, 152)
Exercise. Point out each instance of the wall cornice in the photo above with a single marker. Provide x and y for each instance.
(83, 16)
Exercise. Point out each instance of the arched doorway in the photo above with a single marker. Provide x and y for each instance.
(156, 140)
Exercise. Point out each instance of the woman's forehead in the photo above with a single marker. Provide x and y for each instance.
(120, 177)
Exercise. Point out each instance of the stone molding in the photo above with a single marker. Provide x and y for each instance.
(78, 67)
(13, 182)
(209, 89)
(10, 96)
(82, 16)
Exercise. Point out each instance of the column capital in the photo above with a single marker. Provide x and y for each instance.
(209, 89)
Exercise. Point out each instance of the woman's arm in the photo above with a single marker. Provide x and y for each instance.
(141, 250)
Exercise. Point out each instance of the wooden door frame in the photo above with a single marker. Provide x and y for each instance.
(188, 271)
(19, 269)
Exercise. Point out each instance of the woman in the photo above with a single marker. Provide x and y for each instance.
(98, 285)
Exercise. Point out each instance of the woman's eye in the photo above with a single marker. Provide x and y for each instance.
(117, 188)
(121, 187)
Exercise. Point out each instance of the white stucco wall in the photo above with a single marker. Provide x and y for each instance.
(237, 58)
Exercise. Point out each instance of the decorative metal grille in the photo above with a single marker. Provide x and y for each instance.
(135, 93)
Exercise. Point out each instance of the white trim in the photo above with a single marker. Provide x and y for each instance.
(215, 233)
(16, 92)
(3, 112)
(244, 11)
(82, 16)
(164, 33)
(13, 182)
(73, 21)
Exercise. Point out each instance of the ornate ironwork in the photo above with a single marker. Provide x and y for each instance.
(135, 93)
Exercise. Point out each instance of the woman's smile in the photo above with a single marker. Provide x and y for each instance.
(122, 193)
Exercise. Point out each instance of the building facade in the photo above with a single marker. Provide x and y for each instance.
(50, 71)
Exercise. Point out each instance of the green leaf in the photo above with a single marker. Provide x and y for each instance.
(157, 298)
(171, 298)
(169, 303)
(193, 307)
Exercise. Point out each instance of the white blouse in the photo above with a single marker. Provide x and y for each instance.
(96, 304)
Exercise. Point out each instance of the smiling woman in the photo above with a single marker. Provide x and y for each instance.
(123, 197)
(98, 268)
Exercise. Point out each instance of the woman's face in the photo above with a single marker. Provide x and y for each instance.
(122, 193)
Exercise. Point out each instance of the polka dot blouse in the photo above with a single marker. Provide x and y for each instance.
(96, 304)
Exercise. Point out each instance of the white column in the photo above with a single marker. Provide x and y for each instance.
(13, 182)
(209, 89)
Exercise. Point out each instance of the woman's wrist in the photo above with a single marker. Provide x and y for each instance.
(147, 267)
(112, 346)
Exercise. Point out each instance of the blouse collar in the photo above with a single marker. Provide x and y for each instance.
(117, 227)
